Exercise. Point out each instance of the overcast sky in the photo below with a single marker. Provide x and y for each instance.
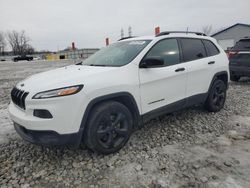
(53, 24)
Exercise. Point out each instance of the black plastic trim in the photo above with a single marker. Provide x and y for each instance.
(124, 38)
(18, 97)
(163, 110)
(196, 99)
(114, 96)
(173, 107)
(156, 101)
(184, 32)
(216, 77)
(48, 138)
(42, 113)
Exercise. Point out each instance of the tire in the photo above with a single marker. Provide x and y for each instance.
(216, 96)
(109, 127)
(235, 78)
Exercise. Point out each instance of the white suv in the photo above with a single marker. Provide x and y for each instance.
(101, 100)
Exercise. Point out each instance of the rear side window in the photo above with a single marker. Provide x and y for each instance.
(192, 49)
(243, 44)
(166, 50)
(211, 48)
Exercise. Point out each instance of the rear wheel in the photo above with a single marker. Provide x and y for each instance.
(216, 97)
(109, 127)
(234, 78)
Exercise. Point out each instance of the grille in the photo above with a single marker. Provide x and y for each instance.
(18, 97)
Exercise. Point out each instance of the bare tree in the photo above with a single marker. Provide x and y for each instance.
(2, 43)
(19, 42)
(207, 29)
(29, 49)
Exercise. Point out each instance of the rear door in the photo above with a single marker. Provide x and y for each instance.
(199, 66)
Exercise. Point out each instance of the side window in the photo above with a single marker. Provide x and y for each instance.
(166, 50)
(211, 48)
(192, 49)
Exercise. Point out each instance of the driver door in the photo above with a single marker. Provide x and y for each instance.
(164, 85)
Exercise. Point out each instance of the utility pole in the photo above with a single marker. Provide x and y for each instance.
(122, 33)
(130, 31)
(107, 41)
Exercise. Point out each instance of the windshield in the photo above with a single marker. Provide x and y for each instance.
(117, 54)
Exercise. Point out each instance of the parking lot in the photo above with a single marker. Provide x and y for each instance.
(190, 148)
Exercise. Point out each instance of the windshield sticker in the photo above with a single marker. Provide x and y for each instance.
(137, 42)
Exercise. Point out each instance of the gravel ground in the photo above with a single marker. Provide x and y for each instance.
(190, 148)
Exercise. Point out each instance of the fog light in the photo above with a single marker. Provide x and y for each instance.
(45, 114)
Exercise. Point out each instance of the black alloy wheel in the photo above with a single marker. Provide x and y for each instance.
(219, 95)
(112, 130)
(109, 127)
(216, 97)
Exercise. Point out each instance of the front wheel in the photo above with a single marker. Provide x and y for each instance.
(216, 96)
(109, 127)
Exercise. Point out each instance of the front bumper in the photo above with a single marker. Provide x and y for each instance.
(239, 70)
(66, 112)
(63, 128)
(48, 138)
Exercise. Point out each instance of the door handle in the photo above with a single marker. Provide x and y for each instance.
(211, 62)
(179, 69)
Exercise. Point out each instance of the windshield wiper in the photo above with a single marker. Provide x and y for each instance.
(80, 63)
(97, 65)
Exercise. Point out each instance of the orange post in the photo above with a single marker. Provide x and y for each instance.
(107, 41)
(73, 46)
(157, 30)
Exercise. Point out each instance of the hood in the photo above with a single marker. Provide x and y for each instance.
(61, 77)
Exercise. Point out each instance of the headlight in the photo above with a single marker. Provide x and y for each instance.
(58, 92)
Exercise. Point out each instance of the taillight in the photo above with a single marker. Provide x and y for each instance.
(232, 54)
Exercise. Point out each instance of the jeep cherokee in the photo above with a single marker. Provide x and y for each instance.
(101, 100)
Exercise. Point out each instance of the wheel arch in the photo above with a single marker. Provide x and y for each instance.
(223, 75)
(124, 98)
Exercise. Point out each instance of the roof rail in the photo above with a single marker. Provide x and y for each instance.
(124, 38)
(187, 32)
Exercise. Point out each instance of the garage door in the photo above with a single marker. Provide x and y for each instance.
(227, 43)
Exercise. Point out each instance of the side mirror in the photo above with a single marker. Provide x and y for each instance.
(151, 63)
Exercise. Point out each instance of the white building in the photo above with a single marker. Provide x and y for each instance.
(229, 36)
